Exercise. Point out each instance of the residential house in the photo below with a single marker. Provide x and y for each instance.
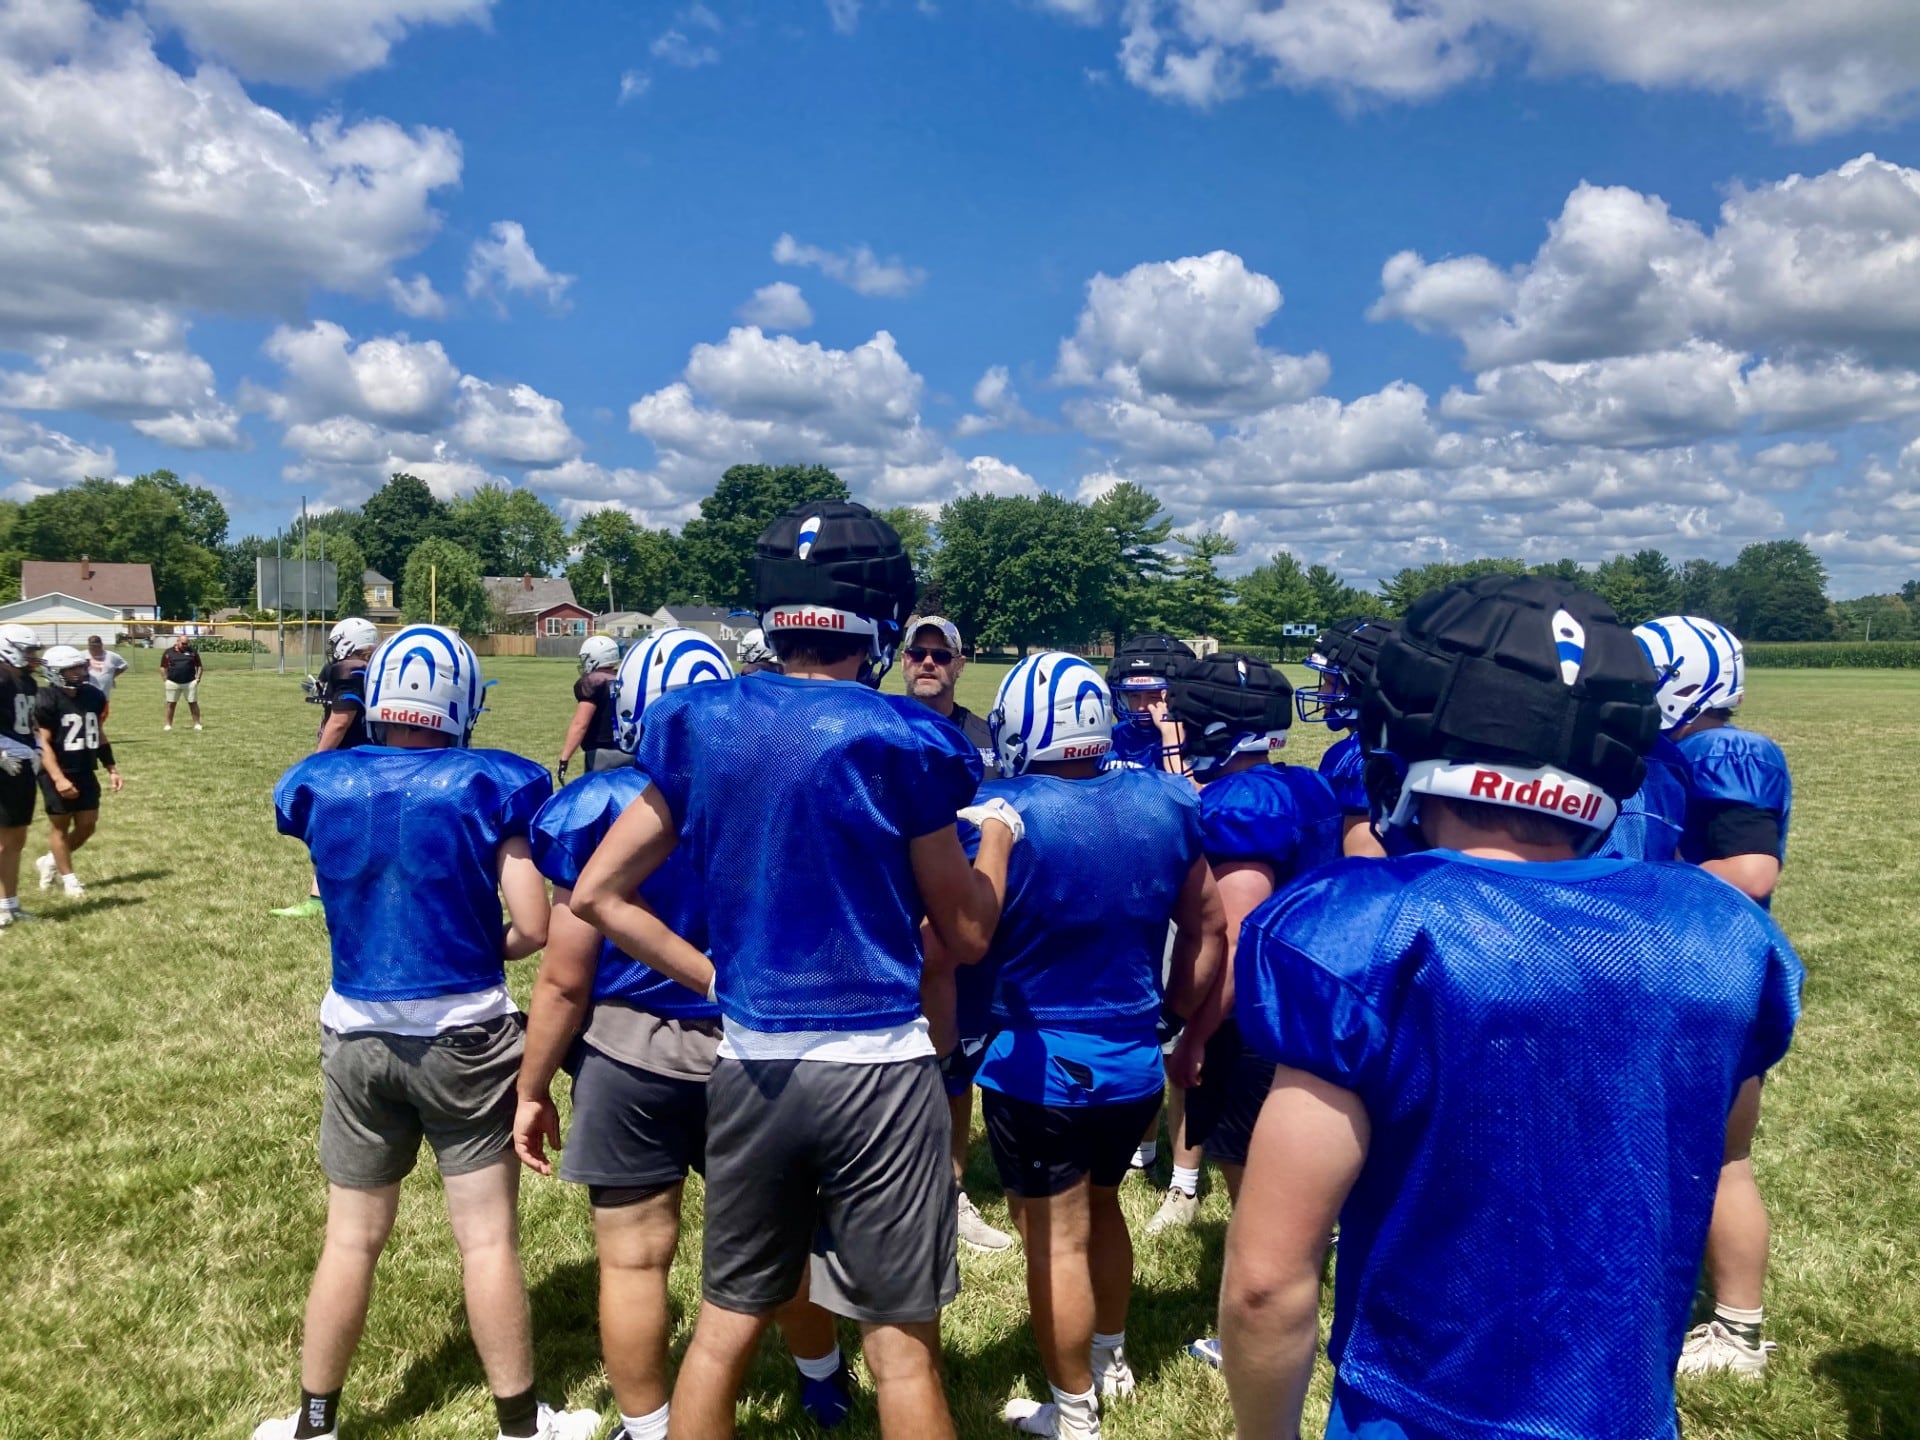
(535, 605)
(125, 590)
(716, 622)
(59, 619)
(376, 598)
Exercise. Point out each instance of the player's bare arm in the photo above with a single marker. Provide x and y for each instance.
(577, 729)
(963, 900)
(525, 891)
(1307, 1151)
(1243, 885)
(333, 733)
(608, 895)
(1752, 875)
(114, 777)
(556, 1013)
(50, 764)
(1200, 941)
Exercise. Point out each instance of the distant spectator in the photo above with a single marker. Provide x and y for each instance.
(103, 668)
(180, 664)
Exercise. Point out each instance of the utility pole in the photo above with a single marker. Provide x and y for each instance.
(280, 597)
(306, 658)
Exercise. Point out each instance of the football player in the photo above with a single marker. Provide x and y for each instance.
(752, 653)
(591, 728)
(1343, 658)
(1739, 800)
(419, 1038)
(818, 816)
(1144, 735)
(73, 744)
(19, 758)
(342, 691)
(1261, 824)
(640, 1070)
(1073, 1069)
(1489, 1066)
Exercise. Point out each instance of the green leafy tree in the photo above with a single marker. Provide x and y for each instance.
(1136, 531)
(1201, 601)
(1565, 569)
(1398, 593)
(1910, 592)
(644, 565)
(1706, 590)
(1875, 617)
(1272, 595)
(442, 585)
(10, 556)
(154, 519)
(1617, 582)
(511, 531)
(395, 519)
(1780, 593)
(916, 531)
(1022, 570)
(337, 547)
(718, 543)
(1334, 599)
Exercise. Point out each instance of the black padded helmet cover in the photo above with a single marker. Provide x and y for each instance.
(835, 555)
(1222, 701)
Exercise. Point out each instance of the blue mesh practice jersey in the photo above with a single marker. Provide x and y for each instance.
(1344, 764)
(1283, 816)
(406, 847)
(566, 832)
(1654, 816)
(1135, 747)
(1731, 766)
(1090, 892)
(797, 801)
(1547, 1053)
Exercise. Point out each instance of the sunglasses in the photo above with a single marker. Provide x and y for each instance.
(918, 653)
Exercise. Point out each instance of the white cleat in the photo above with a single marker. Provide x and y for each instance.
(167, 726)
(1177, 1211)
(1030, 1417)
(43, 867)
(975, 1230)
(1712, 1348)
(566, 1424)
(281, 1427)
(196, 724)
(1112, 1376)
(72, 887)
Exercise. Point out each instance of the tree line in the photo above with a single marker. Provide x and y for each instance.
(1012, 571)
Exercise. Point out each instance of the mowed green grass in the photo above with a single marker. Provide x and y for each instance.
(161, 1208)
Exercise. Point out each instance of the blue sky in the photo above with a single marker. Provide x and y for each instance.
(1374, 283)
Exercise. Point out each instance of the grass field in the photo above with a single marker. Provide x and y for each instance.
(160, 1203)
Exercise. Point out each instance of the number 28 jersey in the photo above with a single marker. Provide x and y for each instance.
(73, 719)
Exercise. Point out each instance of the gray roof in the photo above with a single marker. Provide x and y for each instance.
(691, 614)
(521, 594)
(373, 577)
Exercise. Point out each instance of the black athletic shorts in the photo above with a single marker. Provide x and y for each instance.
(88, 799)
(1041, 1150)
(632, 1129)
(17, 794)
(1221, 1112)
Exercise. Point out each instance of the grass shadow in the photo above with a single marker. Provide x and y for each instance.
(130, 877)
(566, 1349)
(1880, 1388)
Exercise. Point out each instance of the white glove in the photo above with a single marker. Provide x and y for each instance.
(11, 763)
(997, 808)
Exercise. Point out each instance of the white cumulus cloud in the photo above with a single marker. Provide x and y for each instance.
(779, 306)
(302, 43)
(503, 263)
(859, 269)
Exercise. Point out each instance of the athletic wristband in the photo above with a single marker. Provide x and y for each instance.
(106, 755)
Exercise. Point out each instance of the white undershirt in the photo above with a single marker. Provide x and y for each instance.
(432, 1016)
(841, 1047)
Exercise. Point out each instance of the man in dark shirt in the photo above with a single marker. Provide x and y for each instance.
(932, 662)
(180, 664)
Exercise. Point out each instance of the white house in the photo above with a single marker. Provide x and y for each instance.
(60, 619)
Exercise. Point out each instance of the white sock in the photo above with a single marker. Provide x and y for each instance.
(11, 902)
(647, 1427)
(1748, 1320)
(1079, 1414)
(1111, 1342)
(1146, 1152)
(1186, 1180)
(822, 1368)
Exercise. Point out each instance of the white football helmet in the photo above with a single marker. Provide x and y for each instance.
(19, 646)
(665, 660)
(752, 649)
(1051, 707)
(426, 675)
(60, 661)
(351, 635)
(1701, 664)
(599, 652)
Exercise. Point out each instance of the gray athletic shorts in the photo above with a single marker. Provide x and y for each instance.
(846, 1163)
(385, 1093)
(610, 757)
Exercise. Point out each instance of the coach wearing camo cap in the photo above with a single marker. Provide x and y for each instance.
(933, 664)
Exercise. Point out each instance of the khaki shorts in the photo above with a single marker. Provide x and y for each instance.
(189, 692)
(385, 1093)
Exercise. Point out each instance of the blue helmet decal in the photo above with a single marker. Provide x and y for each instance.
(1570, 644)
(809, 532)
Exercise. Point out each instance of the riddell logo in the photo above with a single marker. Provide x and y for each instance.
(1492, 785)
(1086, 752)
(806, 620)
(397, 715)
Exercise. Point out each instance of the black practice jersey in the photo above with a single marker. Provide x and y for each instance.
(343, 686)
(73, 720)
(16, 709)
(595, 688)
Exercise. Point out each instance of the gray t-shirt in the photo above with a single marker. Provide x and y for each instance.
(678, 1049)
(101, 673)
